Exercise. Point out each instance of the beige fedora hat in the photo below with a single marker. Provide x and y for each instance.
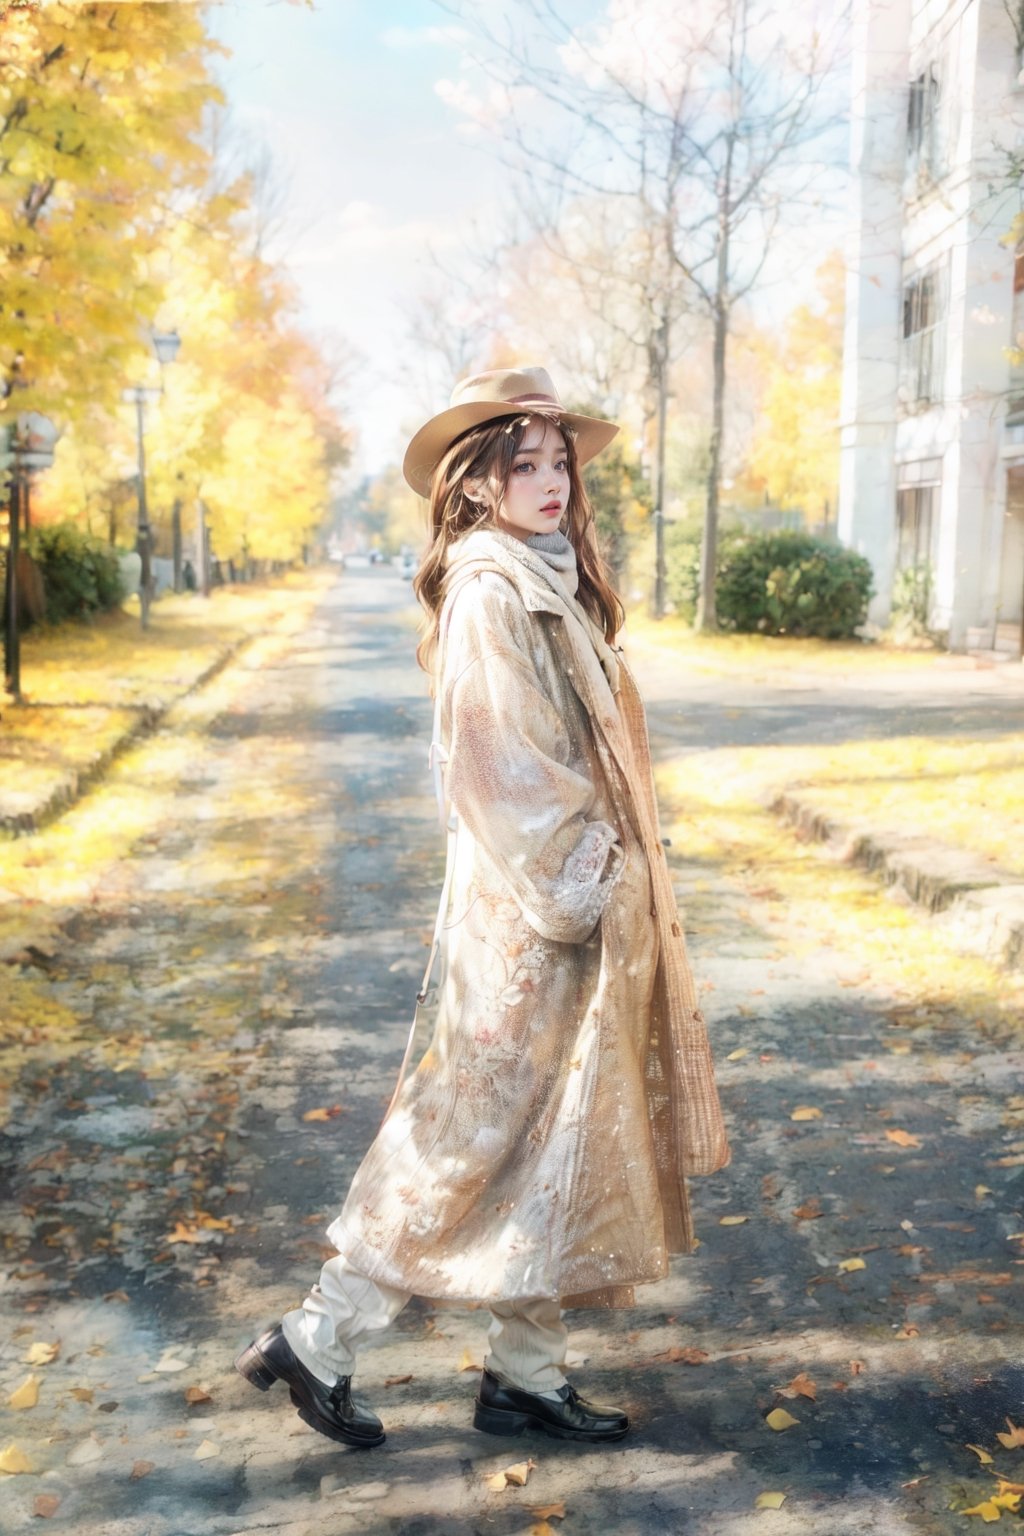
(487, 396)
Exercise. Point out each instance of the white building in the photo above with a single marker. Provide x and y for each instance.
(932, 463)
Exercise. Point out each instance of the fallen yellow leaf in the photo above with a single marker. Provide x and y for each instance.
(518, 1475)
(903, 1138)
(205, 1450)
(141, 1469)
(732, 1221)
(800, 1386)
(197, 1395)
(467, 1363)
(991, 1509)
(683, 1354)
(769, 1501)
(737, 1055)
(515, 1476)
(83, 1394)
(25, 1396)
(980, 1190)
(41, 1354)
(554, 1511)
(846, 1265)
(981, 1453)
(780, 1419)
(806, 1112)
(183, 1234)
(1015, 1437)
(46, 1505)
(13, 1459)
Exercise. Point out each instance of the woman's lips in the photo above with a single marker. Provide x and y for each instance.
(552, 507)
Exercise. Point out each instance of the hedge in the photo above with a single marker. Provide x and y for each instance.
(777, 583)
(81, 573)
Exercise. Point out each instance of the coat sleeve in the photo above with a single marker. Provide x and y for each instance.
(510, 782)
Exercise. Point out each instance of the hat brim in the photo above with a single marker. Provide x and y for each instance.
(427, 447)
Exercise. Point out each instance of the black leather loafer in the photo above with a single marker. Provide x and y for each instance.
(331, 1410)
(505, 1410)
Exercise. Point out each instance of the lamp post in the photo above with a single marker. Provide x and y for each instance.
(33, 439)
(165, 345)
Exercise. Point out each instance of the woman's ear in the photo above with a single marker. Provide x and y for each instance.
(474, 490)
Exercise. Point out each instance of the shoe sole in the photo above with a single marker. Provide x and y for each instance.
(504, 1421)
(253, 1364)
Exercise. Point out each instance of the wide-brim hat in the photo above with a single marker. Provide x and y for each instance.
(488, 396)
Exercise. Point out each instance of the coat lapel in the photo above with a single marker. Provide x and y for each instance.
(484, 549)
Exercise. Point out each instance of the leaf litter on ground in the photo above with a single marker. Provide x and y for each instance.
(515, 1476)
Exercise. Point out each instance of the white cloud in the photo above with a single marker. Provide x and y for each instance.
(484, 111)
(360, 215)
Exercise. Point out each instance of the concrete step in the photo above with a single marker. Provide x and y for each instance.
(982, 907)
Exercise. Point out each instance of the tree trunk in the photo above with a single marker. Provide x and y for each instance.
(706, 618)
(661, 345)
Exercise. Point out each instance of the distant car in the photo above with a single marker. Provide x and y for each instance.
(376, 557)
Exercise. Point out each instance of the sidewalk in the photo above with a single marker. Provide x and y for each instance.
(94, 694)
(90, 690)
(894, 765)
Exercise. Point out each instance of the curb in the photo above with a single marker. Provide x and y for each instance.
(985, 914)
(148, 718)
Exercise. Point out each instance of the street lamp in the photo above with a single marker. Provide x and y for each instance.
(33, 439)
(165, 345)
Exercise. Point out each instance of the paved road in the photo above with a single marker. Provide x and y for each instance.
(254, 961)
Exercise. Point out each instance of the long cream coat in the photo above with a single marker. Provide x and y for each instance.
(541, 1146)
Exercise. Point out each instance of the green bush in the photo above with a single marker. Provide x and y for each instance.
(791, 583)
(911, 601)
(778, 583)
(80, 573)
(682, 563)
(682, 568)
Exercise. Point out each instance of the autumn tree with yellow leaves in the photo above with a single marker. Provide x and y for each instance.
(794, 455)
(114, 220)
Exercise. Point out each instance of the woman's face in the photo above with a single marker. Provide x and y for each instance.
(537, 493)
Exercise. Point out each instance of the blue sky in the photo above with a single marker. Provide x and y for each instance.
(375, 162)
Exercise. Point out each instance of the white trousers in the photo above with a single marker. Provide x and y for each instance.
(527, 1338)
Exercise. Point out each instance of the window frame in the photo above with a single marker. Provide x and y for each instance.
(925, 311)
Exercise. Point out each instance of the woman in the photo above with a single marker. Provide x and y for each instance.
(536, 1157)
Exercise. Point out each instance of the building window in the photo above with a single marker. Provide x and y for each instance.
(925, 298)
(917, 500)
(924, 146)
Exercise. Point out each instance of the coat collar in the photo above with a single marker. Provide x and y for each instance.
(538, 584)
(542, 592)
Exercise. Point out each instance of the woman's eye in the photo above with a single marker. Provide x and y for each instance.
(524, 465)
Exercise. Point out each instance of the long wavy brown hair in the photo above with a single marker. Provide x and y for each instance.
(486, 455)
